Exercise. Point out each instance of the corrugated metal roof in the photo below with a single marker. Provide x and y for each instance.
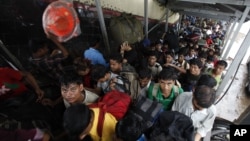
(216, 9)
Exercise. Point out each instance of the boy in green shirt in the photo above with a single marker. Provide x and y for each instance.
(165, 91)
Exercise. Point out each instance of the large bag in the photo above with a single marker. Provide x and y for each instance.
(172, 125)
(130, 83)
(146, 110)
(113, 102)
(126, 28)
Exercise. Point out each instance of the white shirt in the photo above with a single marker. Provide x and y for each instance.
(203, 120)
(156, 69)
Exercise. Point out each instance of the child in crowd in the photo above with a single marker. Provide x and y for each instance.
(165, 90)
(154, 66)
(72, 91)
(106, 80)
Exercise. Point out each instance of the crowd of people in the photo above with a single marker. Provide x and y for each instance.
(182, 76)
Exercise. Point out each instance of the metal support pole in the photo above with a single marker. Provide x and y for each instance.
(12, 59)
(146, 18)
(160, 21)
(166, 25)
(237, 61)
(243, 18)
(179, 25)
(228, 35)
(102, 24)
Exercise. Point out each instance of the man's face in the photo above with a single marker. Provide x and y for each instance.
(169, 59)
(181, 58)
(166, 85)
(192, 52)
(195, 70)
(152, 60)
(158, 46)
(72, 92)
(203, 60)
(219, 69)
(115, 66)
(143, 82)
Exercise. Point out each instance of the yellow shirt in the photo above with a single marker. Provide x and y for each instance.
(108, 126)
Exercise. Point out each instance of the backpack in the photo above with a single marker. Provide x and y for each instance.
(172, 125)
(113, 102)
(130, 83)
(156, 87)
(146, 110)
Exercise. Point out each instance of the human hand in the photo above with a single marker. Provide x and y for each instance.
(168, 64)
(52, 37)
(40, 94)
(47, 102)
(112, 84)
(55, 52)
(124, 60)
(124, 45)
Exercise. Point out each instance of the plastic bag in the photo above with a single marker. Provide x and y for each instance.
(60, 19)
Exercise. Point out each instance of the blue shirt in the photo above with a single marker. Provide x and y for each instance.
(95, 57)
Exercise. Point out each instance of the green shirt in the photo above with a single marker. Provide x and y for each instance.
(166, 102)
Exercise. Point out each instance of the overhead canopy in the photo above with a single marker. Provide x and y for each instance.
(156, 11)
(215, 9)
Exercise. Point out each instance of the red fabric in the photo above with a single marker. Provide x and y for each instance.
(209, 41)
(11, 79)
(113, 102)
(87, 81)
(18, 135)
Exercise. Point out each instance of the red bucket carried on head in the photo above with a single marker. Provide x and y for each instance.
(60, 19)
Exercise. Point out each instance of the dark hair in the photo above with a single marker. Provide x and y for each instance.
(98, 71)
(159, 41)
(202, 55)
(204, 95)
(171, 126)
(37, 43)
(93, 41)
(191, 48)
(217, 53)
(222, 63)
(70, 77)
(169, 53)
(152, 53)
(76, 119)
(182, 52)
(196, 61)
(210, 58)
(168, 73)
(129, 128)
(144, 73)
(82, 64)
(116, 57)
(207, 80)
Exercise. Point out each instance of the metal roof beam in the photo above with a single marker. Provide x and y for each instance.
(234, 9)
(202, 10)
(233, 2)
(219, 17)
